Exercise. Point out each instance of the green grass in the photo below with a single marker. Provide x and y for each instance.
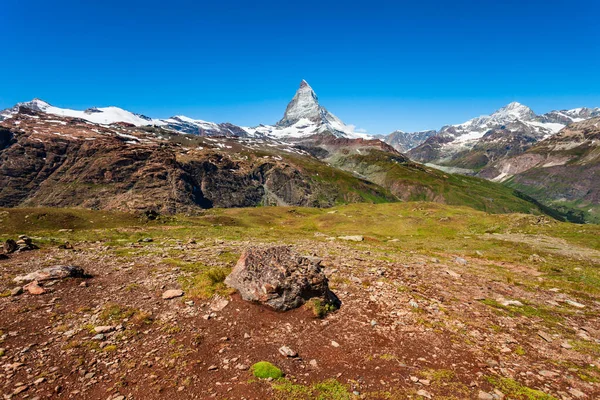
(515, 390)
(329, 389)
(264, 370)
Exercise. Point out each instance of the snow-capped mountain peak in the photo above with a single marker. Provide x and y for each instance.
(304, 104)
(305, 117)
(513, 111)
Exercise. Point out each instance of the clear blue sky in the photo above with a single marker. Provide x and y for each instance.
(380, 65)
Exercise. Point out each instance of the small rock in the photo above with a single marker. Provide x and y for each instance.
(16, 291)
(213, 368)
(352, 238)
(575, 304)
(104, 329)
(10, 246)
(577, 393)
(83, 284)
(313, 363)
(547, 374)
(219, 304)
(287, 352)
(452, 273)
(20, 389)
(566, 345)
(34, 288)
(460, 261)
(515, 303)
(335, 344)
(484, 396)
(545, 336)
(99, 336)
(413, 304)
(424, 393)
(172, 293)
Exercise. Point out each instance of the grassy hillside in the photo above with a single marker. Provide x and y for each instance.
(415, 182)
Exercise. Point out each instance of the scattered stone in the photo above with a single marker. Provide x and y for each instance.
(335, 344)
(352, 238)
(545, 336)
(313, 363)
(104, 329)
(413, 304)
(172, 293)
(16, 291)
(575, 304)
(99, 336)
(460, 261)
(485, 396)
(547, 374)
(213, 368)
(577, 393)
(424, 393)
(83, 284)
(34, 288)
(452, 273)
(515, 303)
(51, 273)
(66, 246)
(218, 304)
(279, 278)
(287, 352)
(20, 389)
(10, 246)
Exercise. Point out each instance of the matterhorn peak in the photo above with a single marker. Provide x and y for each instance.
(304, 105)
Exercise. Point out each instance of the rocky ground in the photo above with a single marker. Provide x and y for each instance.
(420, 318)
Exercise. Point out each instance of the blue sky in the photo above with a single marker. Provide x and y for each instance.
(380, 65)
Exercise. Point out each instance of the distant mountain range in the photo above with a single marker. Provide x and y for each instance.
(303, 117)
(507, 146)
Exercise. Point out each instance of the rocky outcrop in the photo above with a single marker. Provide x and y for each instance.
(51, 273)
(279, 278)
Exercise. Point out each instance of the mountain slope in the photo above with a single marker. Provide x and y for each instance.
(54, 161)
(405, 141)
(46, 160)
(562, 171)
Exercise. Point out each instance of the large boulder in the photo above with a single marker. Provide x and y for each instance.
(279, 278)
(51, 273)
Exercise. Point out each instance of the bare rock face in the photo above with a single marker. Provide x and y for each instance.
(51, 273)
(279, 278)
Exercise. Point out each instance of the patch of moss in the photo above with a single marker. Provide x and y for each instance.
(320, 308)
(264, 370)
